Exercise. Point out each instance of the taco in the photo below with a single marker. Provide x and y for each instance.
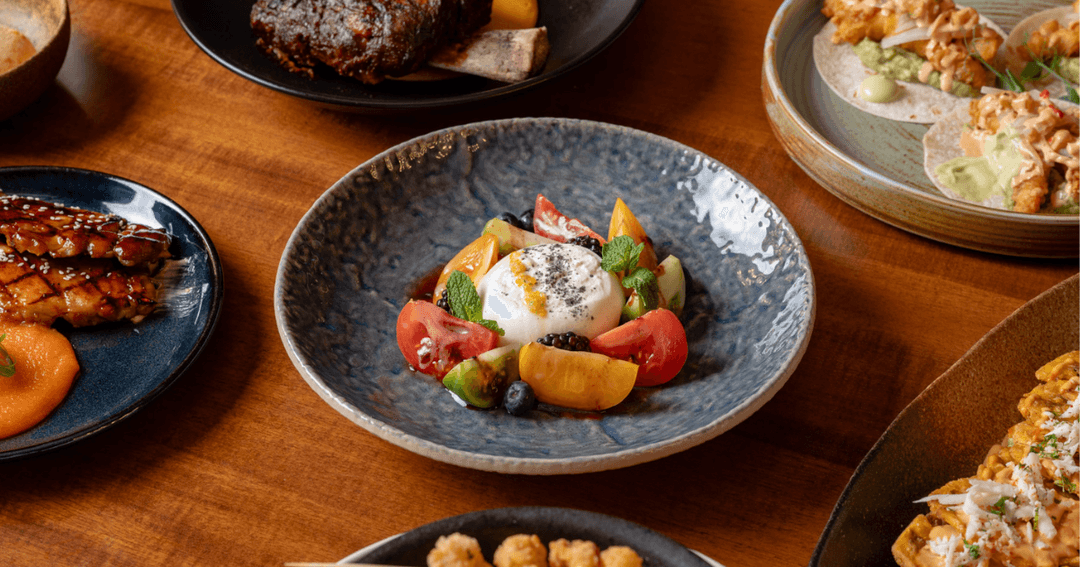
(930, 52)
(1008, 150)
(1050, 38)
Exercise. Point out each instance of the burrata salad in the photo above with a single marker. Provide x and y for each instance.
(542, 309)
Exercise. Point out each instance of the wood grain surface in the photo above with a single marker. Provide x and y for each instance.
(241, 463)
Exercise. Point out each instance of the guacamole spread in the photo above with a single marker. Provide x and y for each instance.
(1069, 68)
(903, 65)
(978, 178)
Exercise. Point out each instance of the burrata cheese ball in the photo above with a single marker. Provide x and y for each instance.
(550, 288)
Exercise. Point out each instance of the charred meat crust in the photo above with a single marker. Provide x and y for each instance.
(40, 227)
(83, 291)
(367, 40)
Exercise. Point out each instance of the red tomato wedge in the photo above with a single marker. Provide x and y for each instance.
(434, 341)
(656, 342)
(549, 222)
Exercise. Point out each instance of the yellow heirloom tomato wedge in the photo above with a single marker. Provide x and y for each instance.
(624, 223)
(575, 379)
(474, 261)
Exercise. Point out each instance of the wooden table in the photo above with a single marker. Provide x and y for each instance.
(241, 463)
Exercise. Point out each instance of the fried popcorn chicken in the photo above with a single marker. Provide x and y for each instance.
(577, 553)
(521, 551)
(619, 556)
(456, 550)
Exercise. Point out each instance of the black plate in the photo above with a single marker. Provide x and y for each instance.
(123, 366)
(947, 430)
(491, 527)
(577, 29)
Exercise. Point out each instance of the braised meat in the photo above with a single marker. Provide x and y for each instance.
(83, 291)
(367, 40)
(39, 227)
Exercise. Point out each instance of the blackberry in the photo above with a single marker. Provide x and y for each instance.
(514, 221)
(588, 242)
(565, 341)
(444, 303)
(519, 398)
(527, 220)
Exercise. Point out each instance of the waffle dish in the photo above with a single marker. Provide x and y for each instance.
(1021, 508)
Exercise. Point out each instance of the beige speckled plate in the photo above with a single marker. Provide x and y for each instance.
(875, 164)
(946, 431)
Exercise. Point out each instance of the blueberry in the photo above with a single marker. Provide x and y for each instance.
(527, 220)
(513, 220)
(519, 398)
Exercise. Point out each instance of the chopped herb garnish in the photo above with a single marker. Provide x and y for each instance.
(972, 549)
(7, 364)
(1047, 448)
(998, 509)
(1065, 484)
(465, 302)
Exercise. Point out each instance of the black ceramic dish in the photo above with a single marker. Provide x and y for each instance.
(491, 527)
(577, 30)
(123, 366)
(946, 432)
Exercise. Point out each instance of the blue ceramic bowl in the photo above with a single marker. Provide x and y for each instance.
(123, 366)
(356, 256)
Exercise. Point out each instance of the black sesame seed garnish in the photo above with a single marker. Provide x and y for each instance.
(444, 303)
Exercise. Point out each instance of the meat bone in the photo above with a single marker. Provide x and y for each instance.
(509, 56)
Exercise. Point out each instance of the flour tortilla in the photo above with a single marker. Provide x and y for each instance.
(1014, 44)
(842, 70)
(941, 143)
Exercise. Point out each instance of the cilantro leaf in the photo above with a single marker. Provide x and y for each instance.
(972, 549)
(620, 254)
(7, 364)
(465, 302)
(643, 282)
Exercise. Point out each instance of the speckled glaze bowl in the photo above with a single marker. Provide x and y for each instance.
(356, 256)
(947, 430)
(47, 24)
(491, 527)
(875, 164)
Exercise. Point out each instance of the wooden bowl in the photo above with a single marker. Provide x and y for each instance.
(47, 24)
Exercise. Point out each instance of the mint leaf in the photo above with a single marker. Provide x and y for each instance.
(644, 283)
(7, 364)
(620, 254)
(465, 302)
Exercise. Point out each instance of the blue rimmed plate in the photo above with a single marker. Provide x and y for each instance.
(123, 366)
(351, 263)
